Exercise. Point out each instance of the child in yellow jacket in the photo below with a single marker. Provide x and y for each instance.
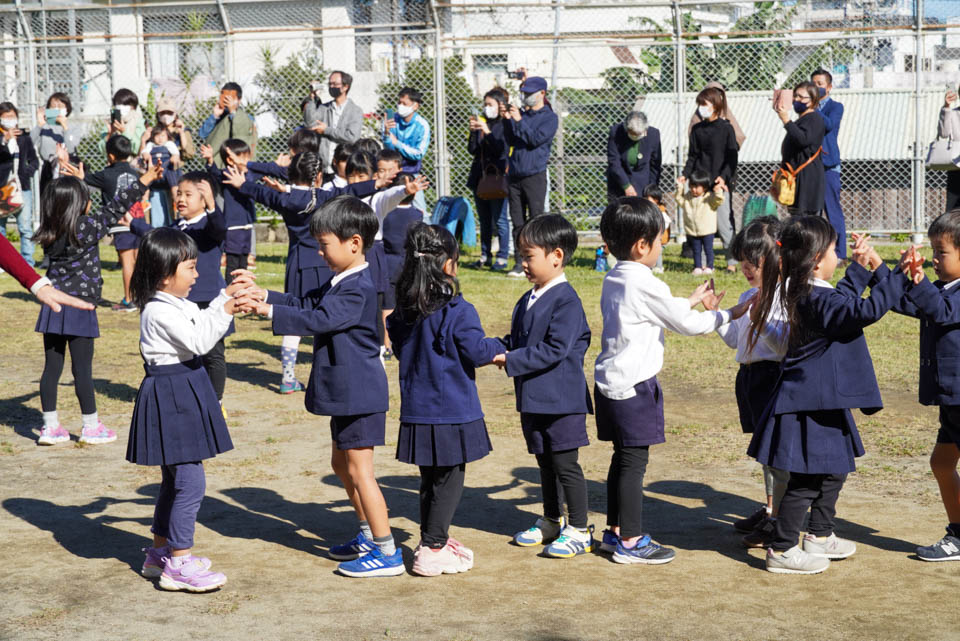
(699, 206)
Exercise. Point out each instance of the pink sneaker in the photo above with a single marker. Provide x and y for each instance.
(53, 435)
(697, 271)
(189, 575)
(153, 564)
(449, 559)
(98, 435)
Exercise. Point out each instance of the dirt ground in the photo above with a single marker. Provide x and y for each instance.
(73, 520)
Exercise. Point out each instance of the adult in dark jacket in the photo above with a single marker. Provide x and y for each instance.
(633, 157)
(804, 139)
(832, 112)
(488, 146)
(17, 142)
(530, 133)
(947, 127)
(713, 149)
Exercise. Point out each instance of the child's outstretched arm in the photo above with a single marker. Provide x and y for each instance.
(200, 337)
(929, 300)
(472, 341)
(115, 209)
(677, 315)
(565, 326)
(838, 314)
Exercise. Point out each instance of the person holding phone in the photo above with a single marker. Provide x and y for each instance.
(53, 128)
(17, 154)
(125, 119)
(946, 128)
(408, 132)
(489, 148)
(338, 121)
(228, 121)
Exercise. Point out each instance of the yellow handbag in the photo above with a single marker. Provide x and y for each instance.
(784, 187)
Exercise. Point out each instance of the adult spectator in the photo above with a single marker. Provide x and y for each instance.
(530, 133)
(633, 157)
(337, 121)
(125, 119)
(40, 286)
(947, 127)
(178, 132)
(179, 147)
(17, 151)
(53, 128)
(228, 121)
(832, 113)
(409, 133)
(803, 142)
(489, 148)
(713, 148)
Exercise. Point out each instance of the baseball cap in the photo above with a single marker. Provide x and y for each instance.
(533, 84)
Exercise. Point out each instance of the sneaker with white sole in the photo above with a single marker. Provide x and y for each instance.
(609, 541)
(452, 558)
(543, 530)
(53, 435)
(516, 272)
(374, 563)
(795, 561)
(189, 575)
(749, 524)
(352, 549)
(97, 435)
(571, 542)
(828, 547)
(153, 563)
(645, 551)
(946, 549)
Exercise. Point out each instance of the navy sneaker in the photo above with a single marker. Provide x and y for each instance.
(352, 549)
(749, 524)
(571, 542)
(374, 563)
(946, 549)
(609, 541)
(646, 552)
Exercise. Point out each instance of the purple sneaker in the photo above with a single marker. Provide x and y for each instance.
(97, 435)
(153, 564)
(189, 575)
(53, 435)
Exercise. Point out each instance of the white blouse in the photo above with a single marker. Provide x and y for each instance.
(772, 342)
(174, 330)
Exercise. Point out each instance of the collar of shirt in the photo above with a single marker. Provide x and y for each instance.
(353, 270)
(823, 101)
(181, 222)
(302, 187)
(819, 282)
(168, 298)
(950, 285)
(538, 292)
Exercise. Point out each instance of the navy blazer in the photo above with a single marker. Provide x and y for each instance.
(939, 312)
(832, 112)
(208, 233)
(531, 138)
(347, 377)
(833, 369)
(645, 171)
(268, 169)
(545, 351)
(238, 210)
(396, 225)
(438, 358)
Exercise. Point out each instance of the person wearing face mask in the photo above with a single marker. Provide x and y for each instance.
(489, 149)
(179, 133)
(52, 129)
(179, 144)
(17, 154)
(228, 121)
(338, 121)
(803, 142)
(832, 112)
(634, 159)
(714, 149)
(530, 133)
(130, 121)
(409, 133)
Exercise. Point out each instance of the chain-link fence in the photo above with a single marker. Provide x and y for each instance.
(891, 61)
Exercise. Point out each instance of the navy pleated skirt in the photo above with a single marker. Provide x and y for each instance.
(554, 432)
(69, 321)
(125, 240)
(300, 281)
(632, 422)
(177, 418)
(822, 442)
(379, 270)
(443, 445)
(756, 385)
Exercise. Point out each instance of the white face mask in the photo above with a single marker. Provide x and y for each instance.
(9, 123)
(166, 119)
(124, 110)
(490, 111)
(530, 99)
(63, 111)
(404, 110)
(705, 111)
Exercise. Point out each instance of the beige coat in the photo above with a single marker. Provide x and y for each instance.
(699, 212)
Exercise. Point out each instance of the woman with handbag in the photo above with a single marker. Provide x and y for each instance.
(488, 178)
(634, 159)
(800, 152)
(949, 127)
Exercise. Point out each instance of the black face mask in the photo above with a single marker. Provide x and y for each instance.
(334, 92)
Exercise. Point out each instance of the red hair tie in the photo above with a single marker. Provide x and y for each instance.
(779, 244)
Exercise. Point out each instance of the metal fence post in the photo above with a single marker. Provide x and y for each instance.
(679, 84)
(439, 109)
(919, 170)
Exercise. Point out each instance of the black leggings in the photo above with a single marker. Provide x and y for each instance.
(815, 492)
(215, 362)
(234, 261)
(562, 478)
(81, 364)
(440, 491)
(625, 489)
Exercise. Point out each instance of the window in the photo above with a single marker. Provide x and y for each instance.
(490, 63)
(175, 56)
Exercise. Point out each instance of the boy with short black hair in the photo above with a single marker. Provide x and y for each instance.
(239, 210)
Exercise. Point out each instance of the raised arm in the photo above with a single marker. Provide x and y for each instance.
(307, 317)
(200, 337)
(942, 310)
(676, 314)
(839, 315)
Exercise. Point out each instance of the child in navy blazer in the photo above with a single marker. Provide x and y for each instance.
(937, 305)
(548, 339)
(807, 428)
(347, 381)
(439, 342)
(200, 219)
(395, 226)
(239, 210)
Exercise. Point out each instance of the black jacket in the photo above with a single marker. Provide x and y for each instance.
(29, 162)
(713, 149)
(647, 169)
(804, 137)
(490, 149)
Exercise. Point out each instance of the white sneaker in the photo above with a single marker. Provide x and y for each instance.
(542, 530)
(828, 547)
(697, 271)
(795, 561)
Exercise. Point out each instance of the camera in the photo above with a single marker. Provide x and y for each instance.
(515, 75)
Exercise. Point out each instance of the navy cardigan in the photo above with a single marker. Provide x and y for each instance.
(546, 347)
(347, 377)
(531, 138)
(833, 369)
(438, 358)
(647, 169)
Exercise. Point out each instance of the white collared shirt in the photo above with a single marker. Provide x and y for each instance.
(333, 281)
(637, 306)
(336, 182)
(183, 222)
(950, 285)
(383, 202)
(174, 330)
(537, 293)
(772, 342)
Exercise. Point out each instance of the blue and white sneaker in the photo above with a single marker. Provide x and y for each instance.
(351, 550)
(646, 552)
(571, 542)
(543, 530)
(609, 541)
(946, 549)
(374, 563)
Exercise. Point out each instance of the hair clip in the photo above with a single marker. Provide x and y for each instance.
(418, 254)
(779, 244)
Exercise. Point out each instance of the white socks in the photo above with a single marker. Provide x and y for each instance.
(50, 419)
